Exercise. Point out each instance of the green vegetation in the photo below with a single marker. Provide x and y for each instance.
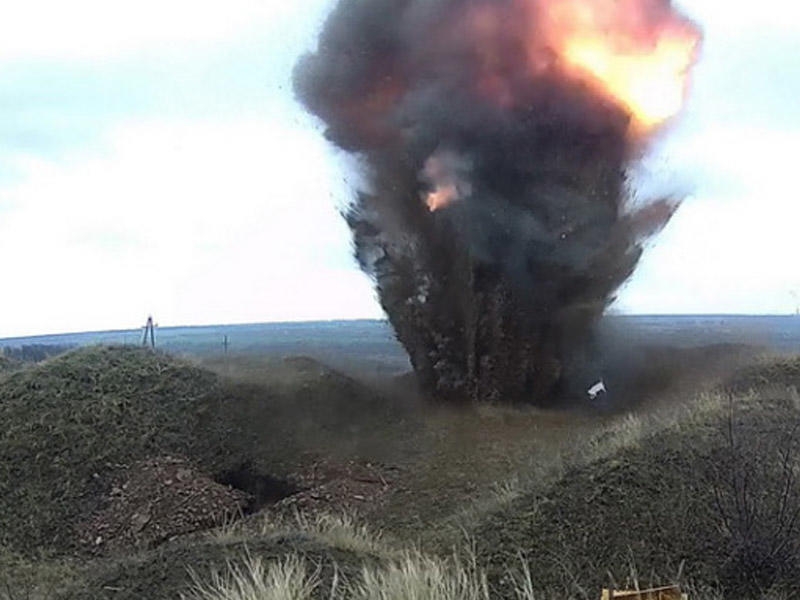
(8, 364)
(71, 423)
(699, 489)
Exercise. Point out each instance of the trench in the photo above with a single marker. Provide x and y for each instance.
(264, 489)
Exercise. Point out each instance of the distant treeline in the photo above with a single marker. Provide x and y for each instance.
(34, 352)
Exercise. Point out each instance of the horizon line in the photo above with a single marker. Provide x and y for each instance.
(365, 319)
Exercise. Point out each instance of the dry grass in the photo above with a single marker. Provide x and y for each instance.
(343, 531)
(232, 529)
(337, 530)
(287, 579)
(505, 492)
(412, 576)
(496, 458)
(419, 577)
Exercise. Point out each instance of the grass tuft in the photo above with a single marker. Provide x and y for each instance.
(286, 579)
(412, 576)
(420, 577)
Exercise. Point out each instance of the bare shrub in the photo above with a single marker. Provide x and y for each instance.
(754, 477)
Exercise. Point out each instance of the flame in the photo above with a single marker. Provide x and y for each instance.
(638, 52)
(442, 171)
(441, 197)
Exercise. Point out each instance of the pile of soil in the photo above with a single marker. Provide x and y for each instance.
(71, 424)
(335, 487)
(157, 500)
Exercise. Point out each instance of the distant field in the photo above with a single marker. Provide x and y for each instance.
(362, 345)
(370, 345)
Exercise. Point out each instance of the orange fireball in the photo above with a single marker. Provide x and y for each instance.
(638, 52)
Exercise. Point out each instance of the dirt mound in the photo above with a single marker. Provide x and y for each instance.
(328, 486)
(72, 423)
(155, 501)
(714, 497)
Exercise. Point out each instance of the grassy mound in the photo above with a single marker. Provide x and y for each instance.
(70, 423)
(771, 372)
(325, 557)
(167, 572)
(713, 498)
(335, 547)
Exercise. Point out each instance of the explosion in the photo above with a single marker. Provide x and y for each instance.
(495, 136)
(638, 51)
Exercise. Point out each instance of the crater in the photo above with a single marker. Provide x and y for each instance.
(264, 489)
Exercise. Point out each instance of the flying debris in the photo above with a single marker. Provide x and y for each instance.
(597, 389)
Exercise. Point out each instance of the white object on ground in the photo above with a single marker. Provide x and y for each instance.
(595, 390)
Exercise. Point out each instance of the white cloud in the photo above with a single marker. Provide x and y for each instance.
(102, 29)
(197, 222)
(737, 158)
(733, 18)
(721, 255)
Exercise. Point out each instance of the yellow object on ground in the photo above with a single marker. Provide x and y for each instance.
(672, 592)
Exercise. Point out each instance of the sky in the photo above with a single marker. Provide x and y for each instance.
(153, 160)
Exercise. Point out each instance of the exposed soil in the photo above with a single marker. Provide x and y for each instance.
(72, 423)
(157, 500)
(261, 489)
(334, 487)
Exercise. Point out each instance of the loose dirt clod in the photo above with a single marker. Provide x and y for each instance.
(155, 500)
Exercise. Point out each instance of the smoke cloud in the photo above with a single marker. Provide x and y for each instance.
(497, 221)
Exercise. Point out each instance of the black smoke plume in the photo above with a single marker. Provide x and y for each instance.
(496, 291)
